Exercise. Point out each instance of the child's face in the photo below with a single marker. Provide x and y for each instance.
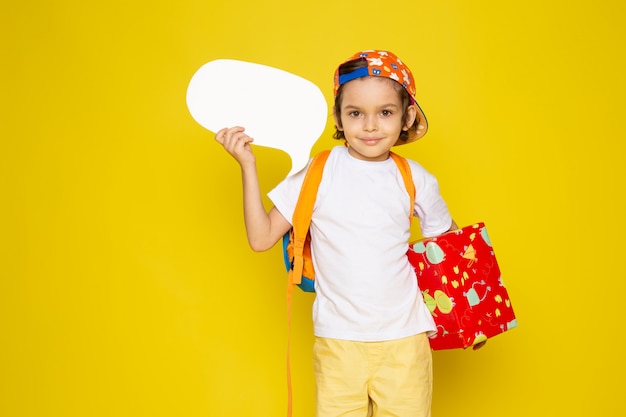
(371, 117)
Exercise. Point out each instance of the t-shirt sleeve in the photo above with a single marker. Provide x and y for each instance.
(285, 194)
(430, 207)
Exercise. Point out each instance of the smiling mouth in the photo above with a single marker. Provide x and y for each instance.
(371, 141)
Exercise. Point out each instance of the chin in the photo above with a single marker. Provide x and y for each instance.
(370, 154)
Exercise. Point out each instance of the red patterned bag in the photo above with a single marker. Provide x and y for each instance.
(462, 287)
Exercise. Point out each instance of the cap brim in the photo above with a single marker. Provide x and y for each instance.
(422, 128)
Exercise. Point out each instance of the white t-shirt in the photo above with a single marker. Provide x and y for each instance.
(366, 290)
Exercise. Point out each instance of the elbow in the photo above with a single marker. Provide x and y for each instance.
(259, 245)
(257, 248)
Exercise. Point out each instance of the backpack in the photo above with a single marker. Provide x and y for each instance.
(297, 241)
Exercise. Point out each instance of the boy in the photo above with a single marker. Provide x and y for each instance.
(371, 325)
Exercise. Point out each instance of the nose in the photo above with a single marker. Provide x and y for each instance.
(370, 123)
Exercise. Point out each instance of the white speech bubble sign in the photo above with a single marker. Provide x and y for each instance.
(278, 109)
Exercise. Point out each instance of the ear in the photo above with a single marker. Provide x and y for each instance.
(337, 119)
(411, 114)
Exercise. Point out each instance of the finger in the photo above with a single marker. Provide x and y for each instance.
(220, 136)
(238, 142)
(236, 133)
(226, 135)
(245, 139)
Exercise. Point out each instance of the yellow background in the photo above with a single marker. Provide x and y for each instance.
(126, 284)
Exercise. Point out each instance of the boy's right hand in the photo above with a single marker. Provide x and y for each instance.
(237, 144)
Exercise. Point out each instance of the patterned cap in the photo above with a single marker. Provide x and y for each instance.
(386, 64)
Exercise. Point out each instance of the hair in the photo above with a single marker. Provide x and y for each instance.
(354, 65)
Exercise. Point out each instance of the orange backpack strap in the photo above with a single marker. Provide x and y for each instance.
(304, 211)
(405, 170)
(300, 225)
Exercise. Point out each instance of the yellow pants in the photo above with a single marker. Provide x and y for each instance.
(378, 379)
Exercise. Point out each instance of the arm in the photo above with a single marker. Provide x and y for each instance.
(262, 228)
